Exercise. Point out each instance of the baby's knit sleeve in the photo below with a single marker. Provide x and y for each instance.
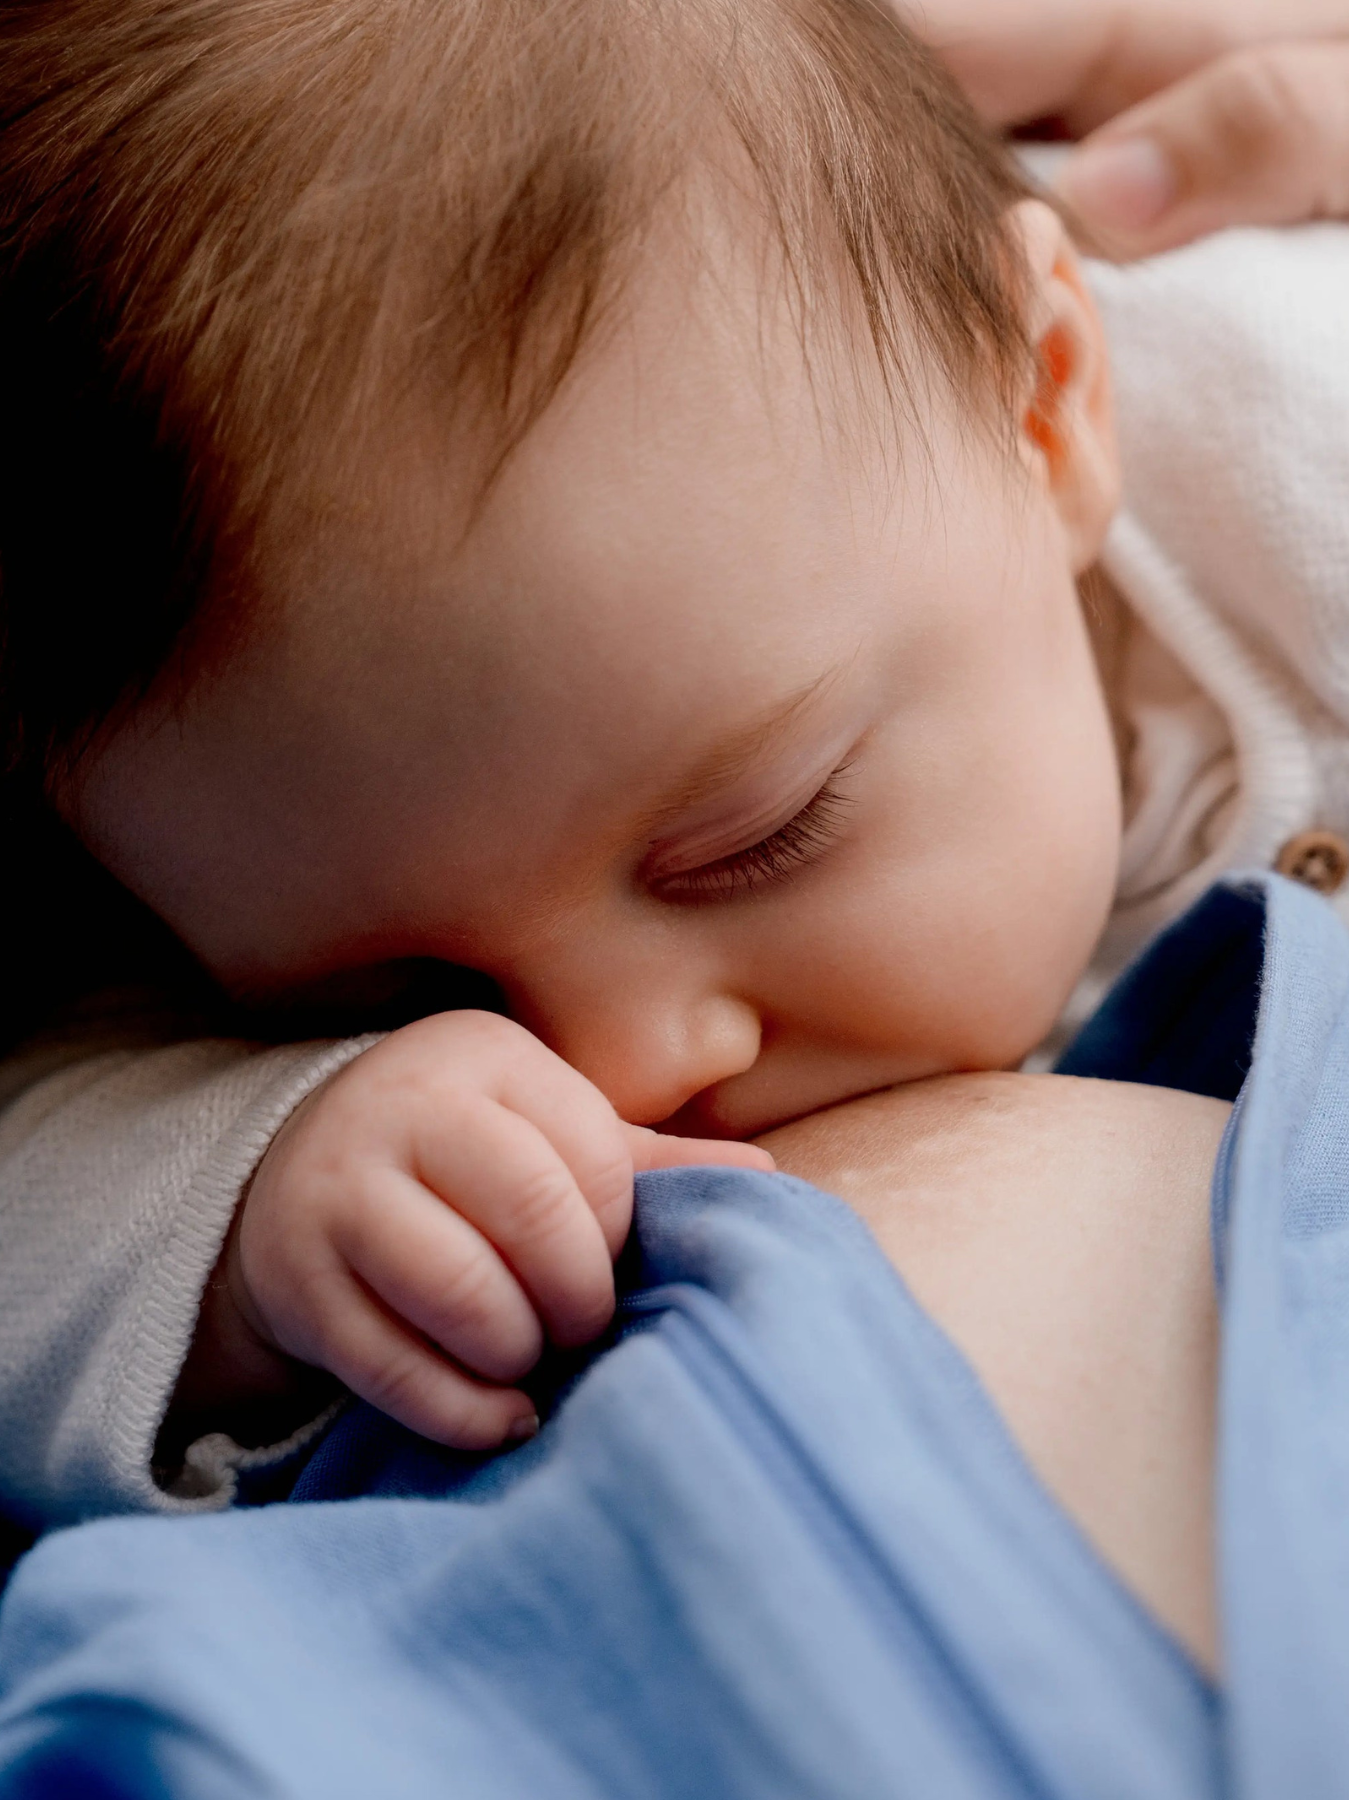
(120, 1169)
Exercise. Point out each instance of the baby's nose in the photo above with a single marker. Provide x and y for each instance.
(651, 1056)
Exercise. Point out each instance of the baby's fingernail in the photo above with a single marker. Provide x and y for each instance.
(1125, 184)
(526, 1426)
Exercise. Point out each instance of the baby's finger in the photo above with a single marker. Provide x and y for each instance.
(657, 1150)
(432, 1269)
(505, 1177)
(1260, 137)
(385, 1364)
(583, 1128)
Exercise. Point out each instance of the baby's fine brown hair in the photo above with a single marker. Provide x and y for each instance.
(240, 239)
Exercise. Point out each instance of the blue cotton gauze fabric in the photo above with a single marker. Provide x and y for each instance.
(774, 1541)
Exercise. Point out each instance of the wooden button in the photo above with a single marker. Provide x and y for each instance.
(1318, 859)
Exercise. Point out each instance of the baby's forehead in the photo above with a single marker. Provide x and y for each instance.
(664, 522)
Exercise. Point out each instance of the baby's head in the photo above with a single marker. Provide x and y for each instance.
(591, 490)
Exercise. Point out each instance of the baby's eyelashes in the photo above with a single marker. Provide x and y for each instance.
(802, 840)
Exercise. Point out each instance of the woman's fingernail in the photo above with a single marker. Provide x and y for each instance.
(1124, 185)
(526, 1426)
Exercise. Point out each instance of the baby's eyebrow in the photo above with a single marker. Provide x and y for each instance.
(734, 755)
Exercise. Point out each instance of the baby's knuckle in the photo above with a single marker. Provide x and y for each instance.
(467, 1297)
(319, 1169)
(312, 1296)
(608, 1180)
(341, 1211)
(394, 1382)
(339, 1129)
(540, 1204)
(478, 1034)
(446, 1066)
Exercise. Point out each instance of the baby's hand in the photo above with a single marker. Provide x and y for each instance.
(434, 1211)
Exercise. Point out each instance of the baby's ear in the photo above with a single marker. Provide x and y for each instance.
(1068, 428)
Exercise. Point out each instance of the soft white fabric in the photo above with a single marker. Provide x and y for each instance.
(1230, 674)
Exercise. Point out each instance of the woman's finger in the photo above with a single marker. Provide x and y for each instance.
(1019, 60)
(1260, 137)
(1082, 62)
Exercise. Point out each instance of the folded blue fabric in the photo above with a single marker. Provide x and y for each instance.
(774, 1540)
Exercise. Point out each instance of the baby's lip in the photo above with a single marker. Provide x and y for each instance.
(703, 1117)
(728, 1111)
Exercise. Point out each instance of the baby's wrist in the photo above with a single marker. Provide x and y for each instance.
(234, 1378)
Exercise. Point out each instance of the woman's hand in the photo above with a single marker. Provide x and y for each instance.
(1194, 114)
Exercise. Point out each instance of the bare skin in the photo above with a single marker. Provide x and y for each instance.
(1058, 1230)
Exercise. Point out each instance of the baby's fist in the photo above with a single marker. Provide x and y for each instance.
(434, 1212)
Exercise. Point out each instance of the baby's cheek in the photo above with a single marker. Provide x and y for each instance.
(1009, 999)
(979, 981)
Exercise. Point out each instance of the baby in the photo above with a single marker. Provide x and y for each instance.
(591, 491)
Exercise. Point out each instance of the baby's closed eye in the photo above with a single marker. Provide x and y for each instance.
(797, 843)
